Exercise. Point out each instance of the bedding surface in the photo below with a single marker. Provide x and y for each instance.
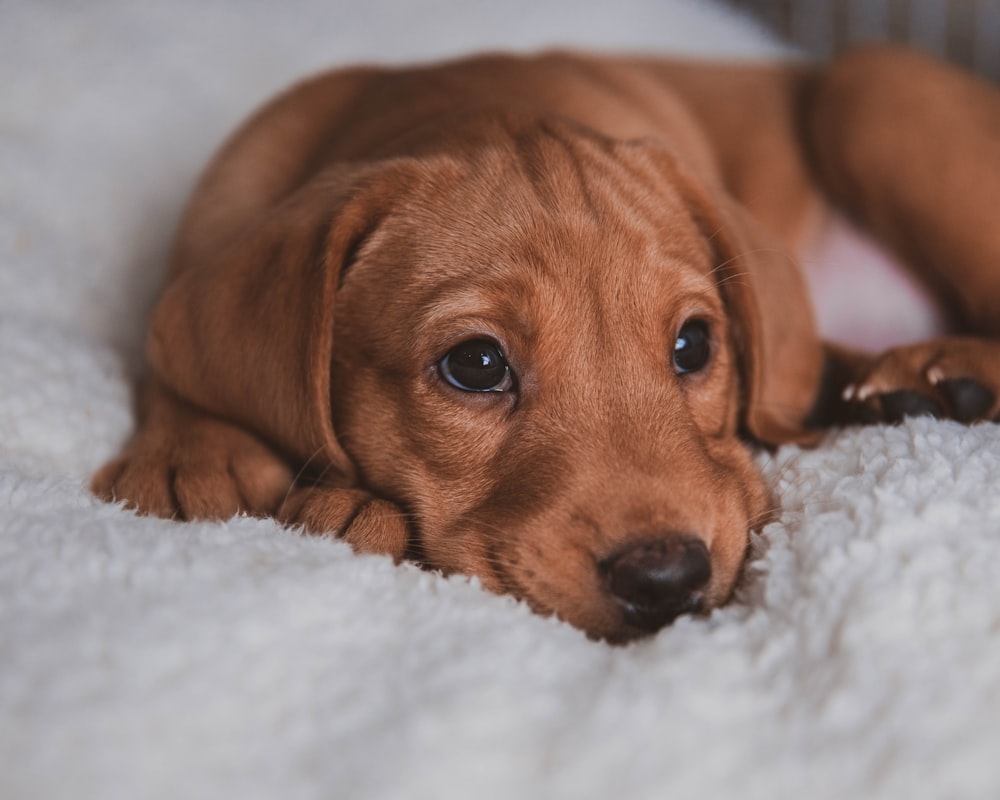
(141, 658)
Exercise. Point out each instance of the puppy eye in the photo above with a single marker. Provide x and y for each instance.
(476, 366)
(693, 347)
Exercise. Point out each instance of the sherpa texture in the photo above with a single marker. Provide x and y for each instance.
(141, 658)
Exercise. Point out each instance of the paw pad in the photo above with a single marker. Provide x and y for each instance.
(967, 399)
(906, 403)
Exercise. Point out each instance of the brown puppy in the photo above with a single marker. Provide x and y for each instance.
(517, 317)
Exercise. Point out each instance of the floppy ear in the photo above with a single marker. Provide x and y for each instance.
(249, 334)
(774, 330)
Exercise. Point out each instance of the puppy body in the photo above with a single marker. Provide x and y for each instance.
(614, 239)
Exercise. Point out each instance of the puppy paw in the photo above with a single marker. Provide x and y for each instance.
(952, 378)
(370, 525)
(207, 470)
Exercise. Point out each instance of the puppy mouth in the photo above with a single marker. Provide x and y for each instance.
(643, 586)
(648, 619)
(619, 594)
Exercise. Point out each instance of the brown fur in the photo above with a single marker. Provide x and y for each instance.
(578, 211)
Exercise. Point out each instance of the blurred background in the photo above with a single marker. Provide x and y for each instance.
(965, 31)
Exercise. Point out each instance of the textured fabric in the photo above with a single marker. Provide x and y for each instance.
(141, 658)
(964, 31)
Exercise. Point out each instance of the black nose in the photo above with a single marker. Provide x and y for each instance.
(657, 580)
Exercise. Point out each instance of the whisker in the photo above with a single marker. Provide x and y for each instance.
(757, 250)
(734, 277)
(297, 476)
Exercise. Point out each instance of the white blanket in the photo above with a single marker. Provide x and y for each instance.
(141, 658)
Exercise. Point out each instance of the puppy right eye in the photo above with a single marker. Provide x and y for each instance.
(477, 365)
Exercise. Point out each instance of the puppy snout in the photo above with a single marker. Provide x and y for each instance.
(657, 580)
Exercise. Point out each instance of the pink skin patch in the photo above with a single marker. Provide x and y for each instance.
(862, 297)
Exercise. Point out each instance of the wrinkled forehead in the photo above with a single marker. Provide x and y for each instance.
(549, 213)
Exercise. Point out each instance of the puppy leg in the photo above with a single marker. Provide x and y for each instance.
(911, 148)
(185, 464)
(370, 525)
(953, 377)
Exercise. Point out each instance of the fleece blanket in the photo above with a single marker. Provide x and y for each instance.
(142, 658)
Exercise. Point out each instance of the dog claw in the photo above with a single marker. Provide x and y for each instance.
(934, 375)
(862, 393)
(853, 393)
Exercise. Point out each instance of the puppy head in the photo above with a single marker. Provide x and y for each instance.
(544, 348)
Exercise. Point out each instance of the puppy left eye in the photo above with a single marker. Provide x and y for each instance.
(693, 347)
(477, 365)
